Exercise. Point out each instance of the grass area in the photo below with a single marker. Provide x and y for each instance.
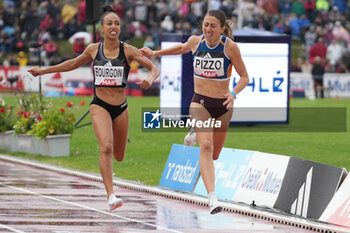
(147, 152)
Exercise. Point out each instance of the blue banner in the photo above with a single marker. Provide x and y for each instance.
(229, 171)
(182, 168)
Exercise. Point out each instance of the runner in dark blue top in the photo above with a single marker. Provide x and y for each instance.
(214, 54)
(108, 109)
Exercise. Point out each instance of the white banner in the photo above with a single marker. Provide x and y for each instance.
(338, 210)
(336, 85)
(262, 180)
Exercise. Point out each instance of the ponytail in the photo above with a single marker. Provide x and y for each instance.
(228, 30)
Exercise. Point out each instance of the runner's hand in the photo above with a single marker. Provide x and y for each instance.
(146, 83)
(145, 51)
(35, 71)
(229, 101)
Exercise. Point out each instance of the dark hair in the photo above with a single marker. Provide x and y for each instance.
(220, 15)
(105, 11)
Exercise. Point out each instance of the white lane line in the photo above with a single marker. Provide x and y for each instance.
(11, 229)
(90, 208)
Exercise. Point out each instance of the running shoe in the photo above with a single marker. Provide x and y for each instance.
(114, 202)
(214, 205)
(191, 137)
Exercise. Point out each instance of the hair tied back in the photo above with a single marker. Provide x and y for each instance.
(107, 8)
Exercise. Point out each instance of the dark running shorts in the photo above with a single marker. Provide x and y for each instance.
(212, 105)
(113, 110)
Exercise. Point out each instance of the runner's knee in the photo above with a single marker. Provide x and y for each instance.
(106, 149)
(206, 147)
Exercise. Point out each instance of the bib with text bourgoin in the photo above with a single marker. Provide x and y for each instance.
(108, 75)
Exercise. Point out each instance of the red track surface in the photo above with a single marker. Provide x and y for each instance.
(36, 200)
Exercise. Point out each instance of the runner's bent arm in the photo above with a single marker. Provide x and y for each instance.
(134, 54)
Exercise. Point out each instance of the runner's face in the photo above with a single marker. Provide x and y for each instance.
(111, 26)
(212, 29)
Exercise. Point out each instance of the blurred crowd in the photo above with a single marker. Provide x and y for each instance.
(320, 28)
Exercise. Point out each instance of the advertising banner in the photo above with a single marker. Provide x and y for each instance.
(338, 209)
(12, 78)
(336, 85)
(229, 171)
(262, 180)
(267, 62)
(308, 187)
(181, 169)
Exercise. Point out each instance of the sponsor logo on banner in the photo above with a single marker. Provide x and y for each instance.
(342, 215)
(55, 81)
(12, 78)
(182, 168)
(262, 181)
(301, 203)
(338, 209)
(229, 171)
(308, 187)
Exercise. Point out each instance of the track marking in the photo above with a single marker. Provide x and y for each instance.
(87, 207)
(11, 229)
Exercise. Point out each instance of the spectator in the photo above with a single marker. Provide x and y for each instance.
(328, 33)
(70, 28)
(78, 46)
(342, 5)
(285, 8)
(162, 9)
(295, 66)
(42, 9)
(82, 11)
(149, 43)
(68, 12)
(13, 60)
(339, 32)
(319, 49)
(22, 59)
(334, 15)
(140, 12)
(335, 51)
(247, 11)
(167, 24)
(198, 8)
(329, 67)
(184, 10)
(303, 22)
(118, 7)
(294, 25)
(137, 29)
(317, 77)
(215, 4)
(322, 5)
(270, 7)
(310, 37)
(53, 9)
(298, 8)
(47, 23)
(340, 68)
(51, 49)
(309, 6)
(346, 59)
